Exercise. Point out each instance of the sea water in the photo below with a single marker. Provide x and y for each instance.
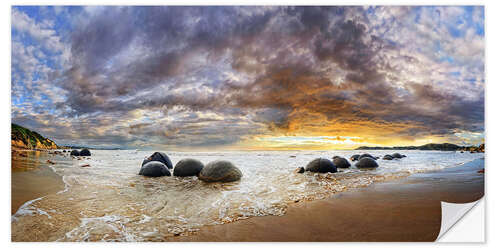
(109, 201)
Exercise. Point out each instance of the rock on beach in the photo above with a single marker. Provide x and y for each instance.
(321, 165)
(341, 162)
(188, 167)
(220, 171)
(161, 157)
(367, 163)
(154, 169)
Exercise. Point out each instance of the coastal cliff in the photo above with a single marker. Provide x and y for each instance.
(23, 138)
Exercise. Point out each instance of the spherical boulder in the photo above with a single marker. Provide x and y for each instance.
(388, 157)
(341, 162)
(154, 169)
(321, 165)
(397, 155)
(75, 152)
(366, 163)
(85, 152)
(220, 171)
(366, 155)
(354, 157)
(161, 157)
(188, 167)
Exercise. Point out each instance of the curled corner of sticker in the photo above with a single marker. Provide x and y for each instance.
(451, 213)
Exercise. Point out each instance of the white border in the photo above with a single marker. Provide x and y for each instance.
(492, 131)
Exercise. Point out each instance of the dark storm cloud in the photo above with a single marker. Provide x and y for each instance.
(300, 63)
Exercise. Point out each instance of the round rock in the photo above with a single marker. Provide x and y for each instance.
(387, 157)
(188, 167)
(367, 162)
(321, 165)
(220, 171)
(397, 155)
(341, 162)
(75, 152)
(154, 169)
(161, 157)
(85, 152)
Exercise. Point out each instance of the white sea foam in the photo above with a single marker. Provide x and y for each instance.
(113, 203)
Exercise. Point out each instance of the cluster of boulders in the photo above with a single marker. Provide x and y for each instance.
(363, 161)
(393, 156)
(159, 164)
(83, 152)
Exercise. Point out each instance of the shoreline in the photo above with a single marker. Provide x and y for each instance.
(313, 220)
(402, 210)
(32, 178)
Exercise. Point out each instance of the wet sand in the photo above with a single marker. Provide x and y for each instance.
(407, 209)
(31, 178)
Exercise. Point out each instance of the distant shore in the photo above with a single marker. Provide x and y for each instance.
(406, 209)
(431, 146)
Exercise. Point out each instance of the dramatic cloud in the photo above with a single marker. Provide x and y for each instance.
(244, 77)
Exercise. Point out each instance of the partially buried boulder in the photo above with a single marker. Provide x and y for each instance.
(341, 162)
(387, 157)
(220, 171)
(154, 169)
(367, 163)
(161, 157)
(354, 157)
(397, 155)
(85, 152)
(188, 167)
(75, 152)
(321, 165)
(367, 155)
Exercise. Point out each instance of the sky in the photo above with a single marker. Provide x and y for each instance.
(249, 78)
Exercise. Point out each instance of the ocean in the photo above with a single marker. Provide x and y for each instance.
(109, 201)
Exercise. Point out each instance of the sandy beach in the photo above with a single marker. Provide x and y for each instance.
(407, 209)
(31, 178)
(404, 209)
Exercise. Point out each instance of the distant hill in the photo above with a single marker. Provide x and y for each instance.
(23, 138)
(430, 146)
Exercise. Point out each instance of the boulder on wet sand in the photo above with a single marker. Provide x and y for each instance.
(154, 169)
(85, 152)
(321, 165)
(75, 152)
(366, 155)
(161, 157)
(366, 163)
(299, 170)
(341, 162)
(387, 157)
(397, 155)
(188, 167)
(354, 157)
(220, 171)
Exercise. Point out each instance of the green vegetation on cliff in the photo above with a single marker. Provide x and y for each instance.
(22, 137)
